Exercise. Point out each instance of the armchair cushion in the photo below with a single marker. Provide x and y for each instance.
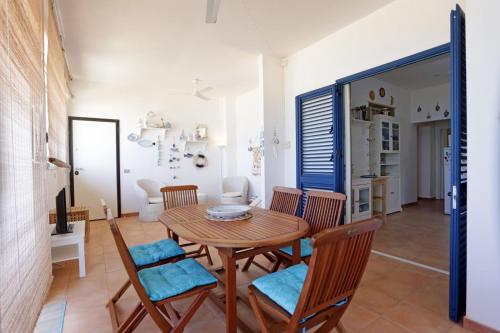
(146, 254)
(155, 200)
(173, 279)
(305, 248)
(232, 194)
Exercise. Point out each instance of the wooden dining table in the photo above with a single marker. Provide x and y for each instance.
(264, 231)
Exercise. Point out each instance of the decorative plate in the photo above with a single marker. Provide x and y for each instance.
(133, 137)
(231, 219)
(381, 92)
(372, 95)
(228, 211)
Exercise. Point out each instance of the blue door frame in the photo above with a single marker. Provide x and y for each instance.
(458, 222)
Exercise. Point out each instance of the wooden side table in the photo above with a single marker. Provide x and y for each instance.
(73, 214)
(379, 194)
(70, 246)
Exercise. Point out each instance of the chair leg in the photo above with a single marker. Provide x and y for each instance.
(261, 319)
(247, 264)
(277, 265)
(179, 327)
(209, 257)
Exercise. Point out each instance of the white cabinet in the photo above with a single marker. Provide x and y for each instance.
(386, 134)
(361, 208)
(393, 195)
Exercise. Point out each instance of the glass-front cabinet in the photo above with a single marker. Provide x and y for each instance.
(386, 134)
(361, 208)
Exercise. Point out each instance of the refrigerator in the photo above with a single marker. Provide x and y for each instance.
(447, 179)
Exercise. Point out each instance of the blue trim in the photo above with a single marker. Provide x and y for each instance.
(458, 226)
(430, 53)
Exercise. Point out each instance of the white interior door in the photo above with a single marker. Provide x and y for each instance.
(94, 166)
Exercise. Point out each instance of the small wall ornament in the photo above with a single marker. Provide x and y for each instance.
(419, 109)
(437, 107)
(446, 113)
(381, 92)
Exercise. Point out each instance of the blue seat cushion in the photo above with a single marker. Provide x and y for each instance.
(146, 254)
(284, 287)
(305, 248)
(173, 279)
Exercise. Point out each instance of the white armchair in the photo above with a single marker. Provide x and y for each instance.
(151, 199)
(235, 190)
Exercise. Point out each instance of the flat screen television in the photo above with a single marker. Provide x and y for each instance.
(62, 226)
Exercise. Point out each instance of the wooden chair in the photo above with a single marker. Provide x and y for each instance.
(337, 264)
(285, 200)
(146, 283)
(171, 254)
(323, 210)
(175, 196)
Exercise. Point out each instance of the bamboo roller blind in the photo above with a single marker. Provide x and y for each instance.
(25, 264)
(57, 92)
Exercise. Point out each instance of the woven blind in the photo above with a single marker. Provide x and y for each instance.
(25, 266)
(57, 92)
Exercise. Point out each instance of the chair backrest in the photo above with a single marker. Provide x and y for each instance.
(336, 267)
(176, 196)
(323, 210)
(285, 200)
(235, 184)
(151, 187)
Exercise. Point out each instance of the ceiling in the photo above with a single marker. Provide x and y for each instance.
(427, 73)
(167, 41)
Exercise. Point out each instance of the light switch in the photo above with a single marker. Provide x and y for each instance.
(126, 170)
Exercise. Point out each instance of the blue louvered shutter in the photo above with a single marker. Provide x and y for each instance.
(458, 229)
(318, 155)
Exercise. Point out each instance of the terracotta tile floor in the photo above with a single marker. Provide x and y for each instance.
(420, 233)
(393, 296)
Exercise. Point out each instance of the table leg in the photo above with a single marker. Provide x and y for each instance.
(81, 257)
(296, 252)
(230, 267)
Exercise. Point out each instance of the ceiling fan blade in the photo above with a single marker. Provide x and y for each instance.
(212, 11)
(201, 96)
(206, 89)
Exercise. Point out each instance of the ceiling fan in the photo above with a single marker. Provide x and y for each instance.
(212, 11)
(196, 92)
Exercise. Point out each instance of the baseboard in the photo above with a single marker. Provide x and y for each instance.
(426, 199)
(478, 327)
(130, 214)
(409, 204)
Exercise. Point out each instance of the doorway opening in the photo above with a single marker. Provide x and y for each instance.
(399, 138)
(94, 154)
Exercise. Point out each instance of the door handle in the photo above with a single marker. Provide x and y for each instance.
(78, 169)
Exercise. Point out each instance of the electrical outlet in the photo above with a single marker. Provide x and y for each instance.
(126, 170)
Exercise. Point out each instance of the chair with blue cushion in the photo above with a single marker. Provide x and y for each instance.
(285, 200)
(159, 286)
(323, 210)
(303, 296)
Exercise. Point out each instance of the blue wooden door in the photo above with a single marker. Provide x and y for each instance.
(320, 140)
(458, 229)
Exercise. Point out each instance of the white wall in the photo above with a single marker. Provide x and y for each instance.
(401, 28)
(128, 104)
(483, 139)
(248, 123)
(425, 162)
(427, 99)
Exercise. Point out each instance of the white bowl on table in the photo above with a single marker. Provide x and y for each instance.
(228, 211)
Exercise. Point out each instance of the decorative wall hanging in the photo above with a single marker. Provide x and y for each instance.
(437, 107)
(419, 109)
(372, 95)
(446, 113)
(428, 115)
(256, 161)
(201, 133)
(381, 92)
(200, 160)
(276, 143)
(392, 100)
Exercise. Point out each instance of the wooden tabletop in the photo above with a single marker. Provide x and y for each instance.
(264, 228)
